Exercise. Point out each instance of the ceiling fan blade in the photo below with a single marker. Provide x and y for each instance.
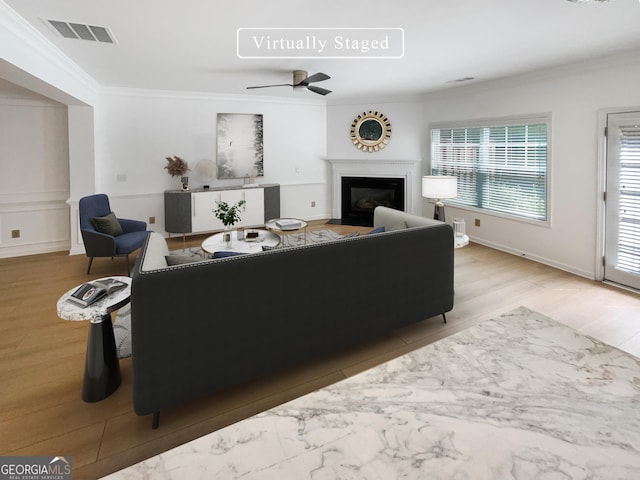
(276, 85)
(321, 91)
(316, 77)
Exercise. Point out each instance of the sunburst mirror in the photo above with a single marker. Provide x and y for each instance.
(370, 131)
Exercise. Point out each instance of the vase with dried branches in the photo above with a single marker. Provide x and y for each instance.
(177, 167)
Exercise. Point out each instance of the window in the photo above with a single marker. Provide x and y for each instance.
(500, 168)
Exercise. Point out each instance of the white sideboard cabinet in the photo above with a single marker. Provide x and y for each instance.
(192, 212)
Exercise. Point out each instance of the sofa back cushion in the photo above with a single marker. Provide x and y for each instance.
(155, 253)
(392, 219)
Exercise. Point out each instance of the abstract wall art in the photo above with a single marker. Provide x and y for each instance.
(240, 145)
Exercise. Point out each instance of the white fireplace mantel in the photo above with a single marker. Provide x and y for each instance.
(407, 169)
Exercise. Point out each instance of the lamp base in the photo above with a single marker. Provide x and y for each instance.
(438, 212)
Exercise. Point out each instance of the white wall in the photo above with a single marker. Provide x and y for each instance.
(574, 96)
(29, 60)
(136, 130)
(405, 116)
(34, 185)
(406, 123)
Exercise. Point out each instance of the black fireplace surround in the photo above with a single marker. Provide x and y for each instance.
(361, 195)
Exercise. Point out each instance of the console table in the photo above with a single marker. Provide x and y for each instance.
(192, 211)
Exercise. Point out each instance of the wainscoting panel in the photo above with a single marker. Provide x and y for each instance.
(42, 220)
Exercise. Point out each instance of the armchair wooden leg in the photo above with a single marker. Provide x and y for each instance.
(89, 267)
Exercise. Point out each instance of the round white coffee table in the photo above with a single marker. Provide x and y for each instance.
(215, 243)
(101, 366)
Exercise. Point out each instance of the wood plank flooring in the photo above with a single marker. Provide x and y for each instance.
(42, 357)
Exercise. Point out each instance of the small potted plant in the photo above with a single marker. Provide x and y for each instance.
(229, 215)
(177, 167)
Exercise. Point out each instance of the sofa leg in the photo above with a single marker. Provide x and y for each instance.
(156, 420)
(444, 317)
(89, 267)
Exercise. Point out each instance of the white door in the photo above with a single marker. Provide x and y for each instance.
(622, 227)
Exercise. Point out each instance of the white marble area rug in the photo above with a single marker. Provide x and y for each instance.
(520, 396)
(312, 236)
(122, 331)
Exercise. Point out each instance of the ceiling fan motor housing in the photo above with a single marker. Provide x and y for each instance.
(299, 76)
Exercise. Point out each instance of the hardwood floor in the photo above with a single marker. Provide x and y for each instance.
(42, 357)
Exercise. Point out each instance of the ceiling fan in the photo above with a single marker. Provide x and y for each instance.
(301, 81)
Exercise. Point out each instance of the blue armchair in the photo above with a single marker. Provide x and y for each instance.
(122, 238)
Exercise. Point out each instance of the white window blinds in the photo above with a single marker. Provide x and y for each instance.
(502, 168)
(629, 191)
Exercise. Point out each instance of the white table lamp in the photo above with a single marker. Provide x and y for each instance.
(439, 187)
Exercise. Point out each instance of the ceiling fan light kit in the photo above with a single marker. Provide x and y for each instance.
(301, 82)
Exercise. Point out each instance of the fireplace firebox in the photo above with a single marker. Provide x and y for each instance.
(361, 195)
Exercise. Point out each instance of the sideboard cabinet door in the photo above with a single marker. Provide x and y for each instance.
(204, 203)
(252, 213)
(202, 206)
(177, 211)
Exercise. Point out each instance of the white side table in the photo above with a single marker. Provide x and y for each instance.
(102, 367)
(273, 226)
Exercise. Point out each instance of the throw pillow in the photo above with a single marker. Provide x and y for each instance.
(180, 260)
(376, 230)
(399, 226)
(227, 254)
(108, 225)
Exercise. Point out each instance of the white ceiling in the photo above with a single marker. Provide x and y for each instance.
(191, 45)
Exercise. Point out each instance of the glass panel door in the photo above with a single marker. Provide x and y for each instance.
(622, 231)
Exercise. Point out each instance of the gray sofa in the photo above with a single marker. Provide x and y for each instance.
(202, 327)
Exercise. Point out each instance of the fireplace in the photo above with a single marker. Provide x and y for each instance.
(407, 171)
(361, 195)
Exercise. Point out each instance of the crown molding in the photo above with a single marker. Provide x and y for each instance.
(205, 96)
(18, 101)
(537, 76)
(37, 50)
(410, 98)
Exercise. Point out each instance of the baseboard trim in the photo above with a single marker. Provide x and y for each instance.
(34, 249)
(536, 258)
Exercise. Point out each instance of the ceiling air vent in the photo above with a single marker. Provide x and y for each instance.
(82, 32)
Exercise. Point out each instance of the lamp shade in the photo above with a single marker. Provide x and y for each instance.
(439, 186)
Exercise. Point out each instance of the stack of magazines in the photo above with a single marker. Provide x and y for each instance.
(91, 292)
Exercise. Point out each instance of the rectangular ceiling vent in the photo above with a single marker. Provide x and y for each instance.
(82, 32)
